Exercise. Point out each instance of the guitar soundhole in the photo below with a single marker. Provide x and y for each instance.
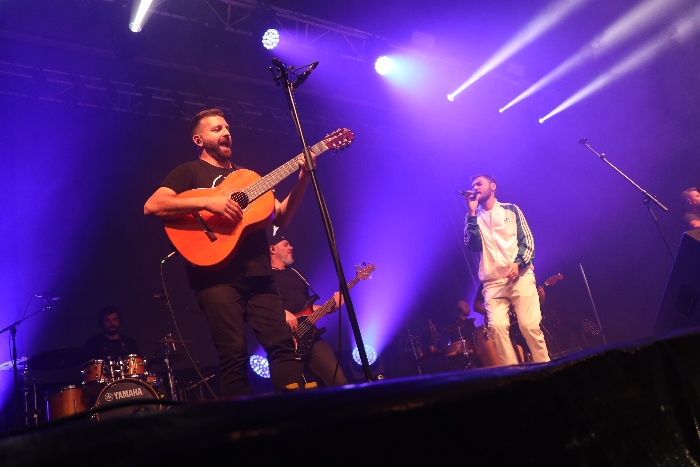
(241, 198)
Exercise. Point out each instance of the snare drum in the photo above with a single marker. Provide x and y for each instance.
(125, 397)
(133, 365)
(454, 348)
(67, 401)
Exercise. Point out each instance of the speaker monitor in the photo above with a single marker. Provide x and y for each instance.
(680, 305)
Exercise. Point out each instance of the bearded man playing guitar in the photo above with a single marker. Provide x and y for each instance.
(315, 354)
(204, 203)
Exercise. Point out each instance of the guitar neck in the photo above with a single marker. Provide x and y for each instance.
(328, 305)
(269, 181)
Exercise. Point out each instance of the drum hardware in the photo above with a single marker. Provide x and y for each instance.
(168, 357)
(416, 348)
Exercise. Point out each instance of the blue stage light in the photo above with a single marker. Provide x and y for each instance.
(270, 39)
(369, 350)
(384, 65)
(259, 365)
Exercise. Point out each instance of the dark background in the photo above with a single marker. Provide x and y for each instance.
(93, 116)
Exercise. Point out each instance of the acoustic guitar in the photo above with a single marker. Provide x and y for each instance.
(210, 240)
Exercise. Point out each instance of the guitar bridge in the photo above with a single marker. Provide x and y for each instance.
(205, 227)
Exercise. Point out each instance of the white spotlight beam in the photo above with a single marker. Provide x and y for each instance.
(137, 23)
(633, 23)
(682, 29)
(541, 24)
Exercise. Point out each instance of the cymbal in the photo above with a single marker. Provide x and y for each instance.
(168, 341)
(54, 359)
(21, 363)
(160, 359)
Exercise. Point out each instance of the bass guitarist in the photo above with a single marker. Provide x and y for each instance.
(315, 353)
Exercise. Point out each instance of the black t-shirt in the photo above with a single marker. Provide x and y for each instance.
(100, 347)
(292, 288)
(252, 257)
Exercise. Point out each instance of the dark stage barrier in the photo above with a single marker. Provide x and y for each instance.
(627, 405)
(680, 305)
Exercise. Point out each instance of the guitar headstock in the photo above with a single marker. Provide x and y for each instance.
(339, 139)
(554, 279)
(364, 270)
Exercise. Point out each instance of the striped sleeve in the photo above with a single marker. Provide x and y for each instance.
(526, 242)
(472, 234)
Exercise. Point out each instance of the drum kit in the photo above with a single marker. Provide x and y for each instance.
(110, 387)
(469, 347)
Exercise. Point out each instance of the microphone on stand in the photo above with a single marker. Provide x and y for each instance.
(173, 253)
(48, 296)
(302, 77)
(278, 63)
(582, 141)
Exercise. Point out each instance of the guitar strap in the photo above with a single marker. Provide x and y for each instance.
(305, 281)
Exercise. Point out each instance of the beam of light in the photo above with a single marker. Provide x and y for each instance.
(137, 24)
(633, 23)
(682, 29)
(545, 21)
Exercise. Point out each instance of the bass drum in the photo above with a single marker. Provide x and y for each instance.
(126, 397)
(485, 350)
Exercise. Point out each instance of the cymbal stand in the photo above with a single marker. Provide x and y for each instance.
(416, 350)
(465, 351)
(32, 409)
(169, 349)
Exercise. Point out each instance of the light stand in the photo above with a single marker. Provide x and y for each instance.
(289, 89)
(647, 197)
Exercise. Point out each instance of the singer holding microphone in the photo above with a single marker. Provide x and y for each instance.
(499, 233)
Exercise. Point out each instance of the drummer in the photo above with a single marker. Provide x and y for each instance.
(464, 325)
(110, 344)
(461, 335)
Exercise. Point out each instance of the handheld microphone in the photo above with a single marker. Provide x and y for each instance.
(302, 77)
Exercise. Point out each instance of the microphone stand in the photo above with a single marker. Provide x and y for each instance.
(647, 197)
(289, 89)
(13, 337)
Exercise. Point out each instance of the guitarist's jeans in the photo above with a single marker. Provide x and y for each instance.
(321, 362)
(255, 301)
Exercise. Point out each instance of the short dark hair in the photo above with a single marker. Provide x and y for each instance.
(685, 194)
(107, 310)
(201, 115)
(488, 177)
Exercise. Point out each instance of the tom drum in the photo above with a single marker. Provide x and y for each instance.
(133, 365)
(97, 374)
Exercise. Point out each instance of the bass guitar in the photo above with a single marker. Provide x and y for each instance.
(210, 240)
(307, 331)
